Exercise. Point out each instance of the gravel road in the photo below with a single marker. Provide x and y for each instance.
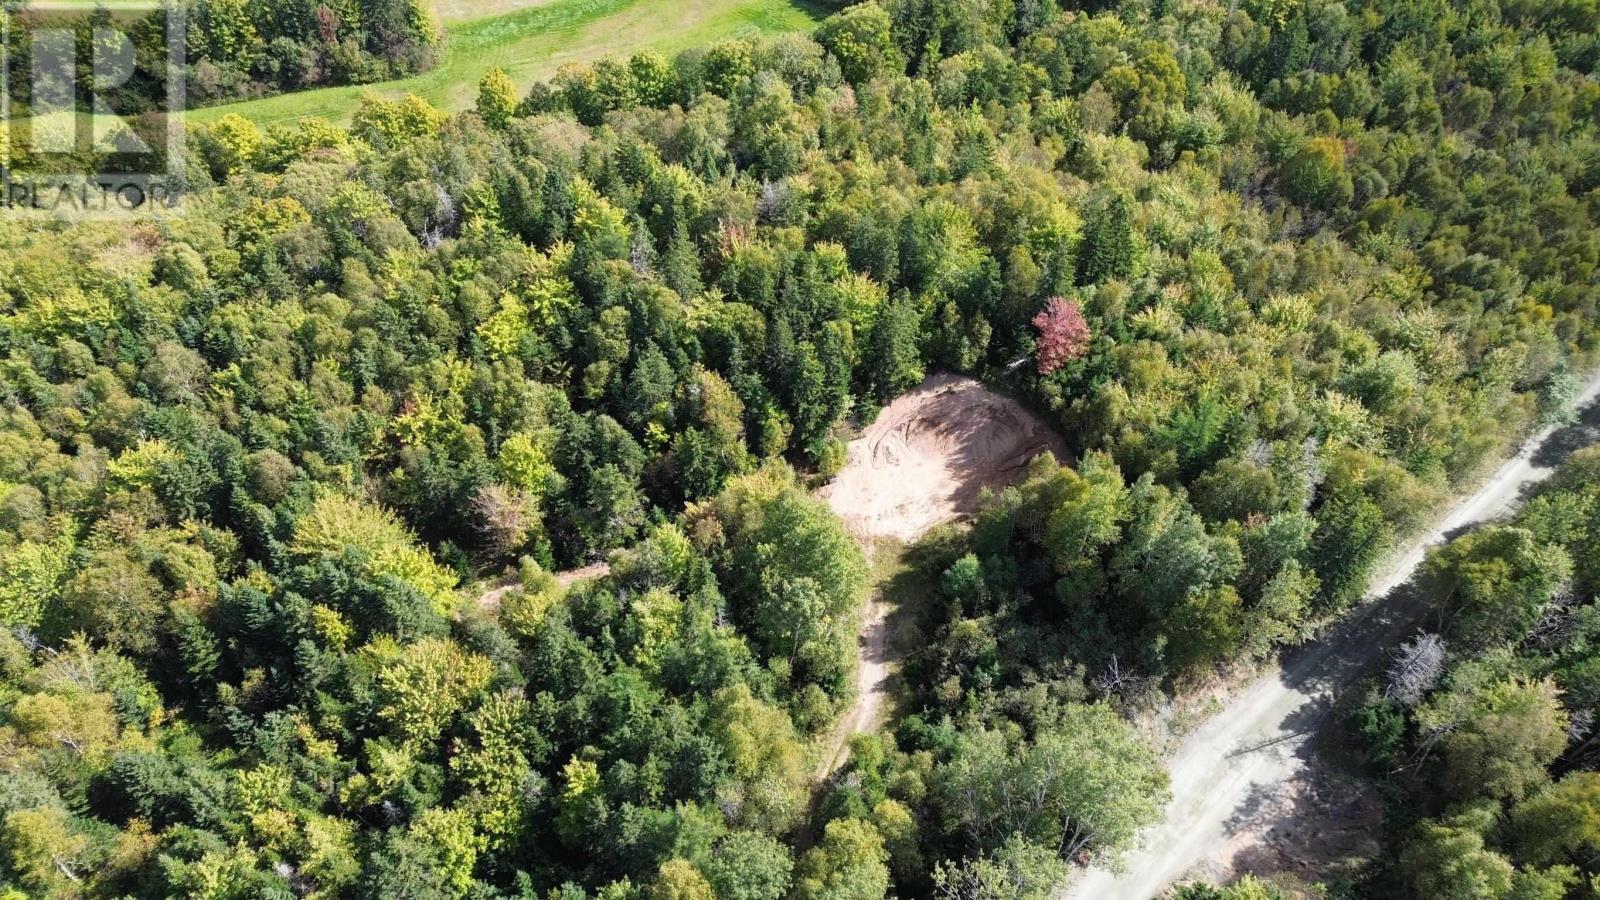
(1259, 739)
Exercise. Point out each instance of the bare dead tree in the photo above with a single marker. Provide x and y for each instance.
(775, 197)
(1313, 471)
(1123, 684)
(445, 220)
(641, 253)
(1555, 626)
(1415, 669)
(1112, 679)
(505, 517)
(74, 665)
(1580, 726)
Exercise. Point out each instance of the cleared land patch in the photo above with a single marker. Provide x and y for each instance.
(929, 456)
(925, 461)
(491, 598)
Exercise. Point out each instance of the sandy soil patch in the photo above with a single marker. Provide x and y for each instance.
(929, 456)
(925, 461)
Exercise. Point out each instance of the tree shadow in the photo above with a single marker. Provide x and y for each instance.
(1259, 809)
(909, 593)
(1569, 439)
(1343, 652)
(1318, 821)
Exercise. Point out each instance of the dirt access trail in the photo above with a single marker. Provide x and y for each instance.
(491, 598)
(924, 461)
(1258, 745)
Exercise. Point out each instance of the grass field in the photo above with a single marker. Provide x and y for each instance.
(454, 11)
(531, 42)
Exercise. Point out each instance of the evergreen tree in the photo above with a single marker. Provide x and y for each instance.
(1109, 250)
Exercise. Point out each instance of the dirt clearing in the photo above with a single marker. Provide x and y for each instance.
(929, 456)
(925, 461)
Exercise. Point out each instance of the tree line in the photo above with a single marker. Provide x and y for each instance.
(223, 50)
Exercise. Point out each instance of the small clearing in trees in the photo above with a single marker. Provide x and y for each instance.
(924, 462)
(930, 454)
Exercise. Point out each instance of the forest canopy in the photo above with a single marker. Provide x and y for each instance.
(1283, 274)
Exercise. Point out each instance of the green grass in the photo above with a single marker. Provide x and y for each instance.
(531, 43)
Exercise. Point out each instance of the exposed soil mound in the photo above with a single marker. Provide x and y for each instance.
(929, 456)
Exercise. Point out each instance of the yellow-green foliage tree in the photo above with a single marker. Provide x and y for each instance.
(336, 524)
(497, 98)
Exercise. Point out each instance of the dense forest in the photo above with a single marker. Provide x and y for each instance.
(230, 49)
(1285, 274)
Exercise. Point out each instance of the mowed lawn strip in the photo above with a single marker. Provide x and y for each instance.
(455, 12)
(533, 42)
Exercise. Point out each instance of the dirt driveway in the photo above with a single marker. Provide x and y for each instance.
(925, 461)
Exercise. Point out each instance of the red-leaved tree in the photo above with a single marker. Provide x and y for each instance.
(1063, 334)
